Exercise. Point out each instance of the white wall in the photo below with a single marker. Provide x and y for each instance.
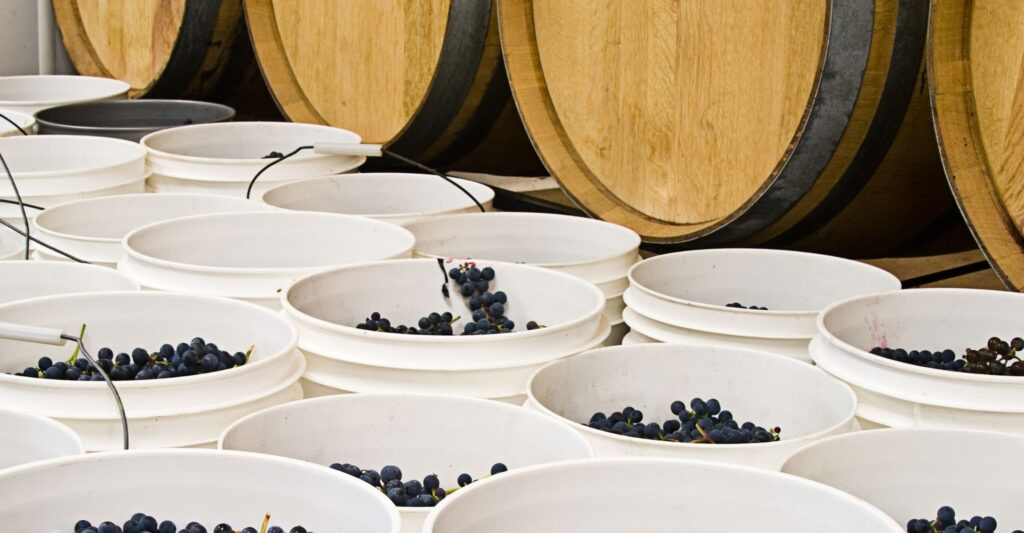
(19, 39)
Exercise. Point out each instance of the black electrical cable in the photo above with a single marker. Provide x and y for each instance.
(248, 191)
(13, 123)
(384, 151)
(26, 204)
(21, 204)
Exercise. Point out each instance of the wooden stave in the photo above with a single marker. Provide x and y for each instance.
(462, 110)
(191, 71)
(963, 153)
(752, 224)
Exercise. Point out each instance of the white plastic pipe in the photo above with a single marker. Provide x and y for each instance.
(353, 149)
(21, 332)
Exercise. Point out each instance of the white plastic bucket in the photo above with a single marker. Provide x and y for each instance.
(183, 411)
(206, 486)
(254, 256)
(24, 121)
(223, 158)
(440, 435)
(12, 245)
(92, 228)
(652, 496)
(50, 169)
(635, 338)
(29, 438)
(766, 389)
(396, 198)
(596, 251)
(20, 280)
(327, 306)
(660, 332)
(910, 473)
(29, 94)
(902, 395)
(691, 289)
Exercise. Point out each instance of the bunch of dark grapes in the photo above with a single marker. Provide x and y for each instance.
(488, 308)
(143, 523)
(432, 324)
(704, 422)
(998, 358)
(945, 522)
(195, 357)
(735, 305)
(412, 493)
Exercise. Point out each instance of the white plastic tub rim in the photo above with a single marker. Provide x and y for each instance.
(12, 245)
(660, 332)
(326, 306)
(124, 320)
(691, 289)
(258, 484)
(908, 473)
(919, 319)
(634, 337)
(12, 214)
(29, 94)
(92, 228)
(396, 197)
(29, 438)
(599, 252)
(254, 255)
(578, 495)
(24, 121)
(21, 280)
(766, 389)
(235, 151)
(454, 435)
(51, 165)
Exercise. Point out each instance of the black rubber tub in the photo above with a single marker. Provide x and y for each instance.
(128, 119)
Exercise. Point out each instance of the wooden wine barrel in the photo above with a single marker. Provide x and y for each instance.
(977, 90)
(707, 122)
(162, 48)
(422, 76)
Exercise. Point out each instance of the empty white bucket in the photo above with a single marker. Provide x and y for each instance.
(29, 94)
(902, 395)
(92, 228)
(632, 337)
(182, 411)
(659, 332)
(766, 389)
(50, 169)
(397, 198)
(235, 487)
(254, 256)
(24, 121)
(450, 436)
(327, 306)
(653, 496)
(20, 280)
(910, 473)
(29, 438)
(223, 158)
(690, 290)
(12, 245)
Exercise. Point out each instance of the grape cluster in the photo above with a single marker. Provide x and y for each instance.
(187, 359)
(736, 305)
(488, 308)
(997, 358)
(143, 523)
(412, 493)
(945, 522)
(432, 324)
(703, 422)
